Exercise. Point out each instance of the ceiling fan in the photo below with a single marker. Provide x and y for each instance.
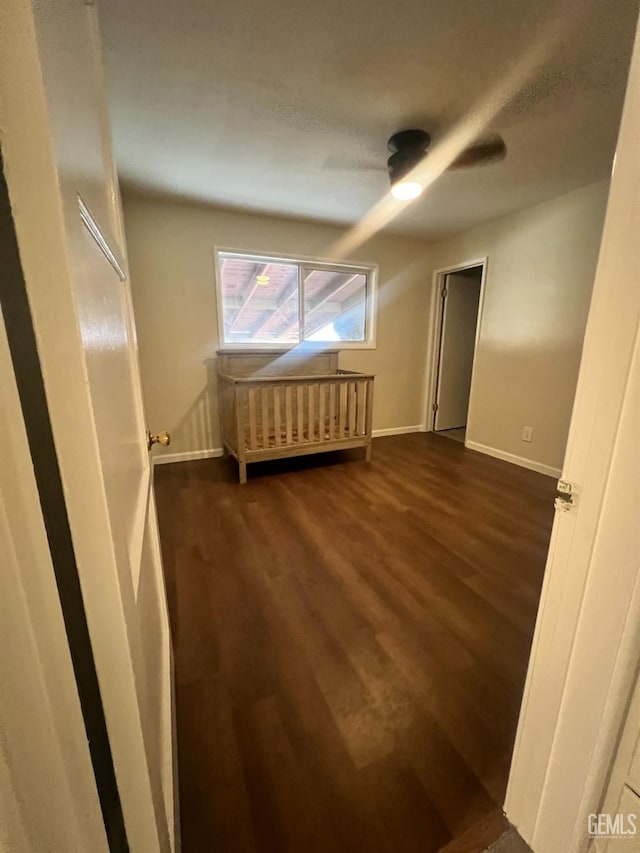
(410, 147)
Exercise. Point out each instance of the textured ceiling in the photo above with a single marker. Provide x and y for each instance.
(274, 106)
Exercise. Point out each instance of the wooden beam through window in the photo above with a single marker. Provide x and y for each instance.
(294, 292)
(344, 308)
(267, 316)
(250, 289)
(328, 293)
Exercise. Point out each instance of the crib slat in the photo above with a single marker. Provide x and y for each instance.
(240, 403)
(300, 413)
(342, 409)
(288, 407)
(332, 411)
(369, 417)
(253, 434)
(311, 413)
(264, 415)
(277, 416)
(361, 388)
(352, 408)
(322, 389)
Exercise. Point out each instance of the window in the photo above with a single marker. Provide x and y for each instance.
(266, 301)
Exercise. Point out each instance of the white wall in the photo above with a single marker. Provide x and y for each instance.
(170, 246)
(540, 276)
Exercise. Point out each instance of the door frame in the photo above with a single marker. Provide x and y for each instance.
(435, 332)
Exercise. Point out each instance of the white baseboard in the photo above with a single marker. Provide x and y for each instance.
(531, 464)
(191, 455)
(188, 456)
(378, 433)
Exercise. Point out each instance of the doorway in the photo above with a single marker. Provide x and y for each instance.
(459, 296)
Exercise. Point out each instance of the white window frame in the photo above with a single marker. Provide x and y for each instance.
(303, 262)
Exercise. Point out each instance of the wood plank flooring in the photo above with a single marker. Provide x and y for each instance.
(351, 643)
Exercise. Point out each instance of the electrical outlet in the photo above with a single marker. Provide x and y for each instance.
(527, 434)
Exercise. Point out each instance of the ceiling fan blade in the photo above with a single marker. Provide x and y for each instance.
(481, 154)
(409, 148)
(346, 164)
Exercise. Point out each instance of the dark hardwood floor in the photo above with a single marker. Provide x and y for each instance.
(351, 644)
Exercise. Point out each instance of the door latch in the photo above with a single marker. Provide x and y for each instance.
(567, 497)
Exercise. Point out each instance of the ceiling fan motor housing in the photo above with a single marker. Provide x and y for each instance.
(407, 147)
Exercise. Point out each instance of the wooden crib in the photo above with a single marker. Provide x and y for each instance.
(276, 404)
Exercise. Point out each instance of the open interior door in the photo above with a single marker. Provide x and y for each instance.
(461, 298)
(65, 200)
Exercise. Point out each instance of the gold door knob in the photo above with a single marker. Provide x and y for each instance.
(162, 438)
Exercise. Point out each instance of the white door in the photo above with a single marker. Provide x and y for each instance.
(48, 796)
(623, 791)
(457, 345)
(59, 170)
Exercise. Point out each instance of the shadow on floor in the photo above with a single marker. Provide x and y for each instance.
(510, 842)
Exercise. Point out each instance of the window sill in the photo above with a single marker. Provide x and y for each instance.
(331, 346)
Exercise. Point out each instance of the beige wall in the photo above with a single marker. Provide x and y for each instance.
(540, 275)
(539, 279)
(170, 246)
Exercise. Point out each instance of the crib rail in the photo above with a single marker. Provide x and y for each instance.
(274, 413)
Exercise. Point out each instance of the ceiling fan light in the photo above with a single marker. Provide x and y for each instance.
(406, 190)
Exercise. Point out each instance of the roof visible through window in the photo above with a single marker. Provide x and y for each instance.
(274, 301)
